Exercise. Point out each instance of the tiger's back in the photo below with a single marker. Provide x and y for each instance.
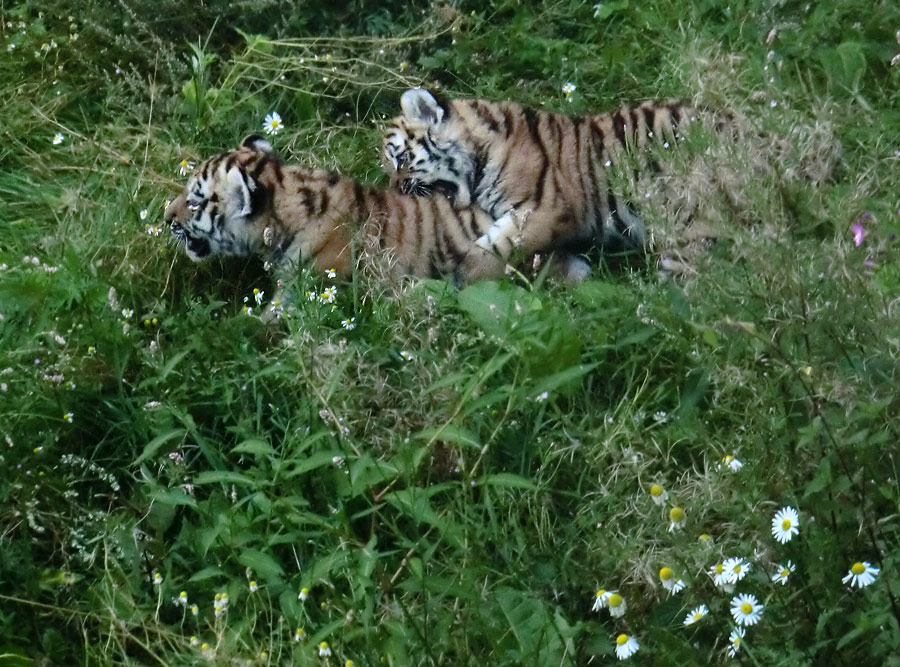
(246, 201)
(552, 170)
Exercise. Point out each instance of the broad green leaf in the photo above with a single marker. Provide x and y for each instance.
(262, 563)
(507, 480)
(255, 447)
(176, 496)
(152, 447)
(223, 477)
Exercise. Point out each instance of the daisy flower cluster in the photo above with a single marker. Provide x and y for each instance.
(745, 608)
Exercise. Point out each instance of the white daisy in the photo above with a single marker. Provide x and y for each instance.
(58, 138)
(658, 494)
(736, 568)
(784, 571)
(185, 167)
(785, 524)
(669, 581)
(626, 646)
(746, 609)
(272, 124)
(324, 650)
(676, 518)
(569, 87)
(601, 599)
(861, 574)
(721, 577)
(732, 463)
(696, 614)
(617, 605)
(734, 639)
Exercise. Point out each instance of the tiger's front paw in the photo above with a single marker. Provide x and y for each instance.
(498, 229)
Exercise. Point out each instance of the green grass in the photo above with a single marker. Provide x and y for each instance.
(454, 478)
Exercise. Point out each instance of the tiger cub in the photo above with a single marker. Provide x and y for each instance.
(543, 176)
(247, 201)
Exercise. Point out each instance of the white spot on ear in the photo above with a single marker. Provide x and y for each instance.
(418, 103)
(239, 191)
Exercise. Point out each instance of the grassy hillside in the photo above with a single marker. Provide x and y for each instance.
(452, 480)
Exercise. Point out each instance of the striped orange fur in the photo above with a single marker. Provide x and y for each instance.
(246, 201)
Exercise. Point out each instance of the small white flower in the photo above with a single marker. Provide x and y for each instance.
(304, 593)
(58, 138)
(406, 355)
(696, 614)
(617, 605)
(601, 599)
(272, 124)
(349, 324)
(195, 609)
(324, 650)
(68, 417)
(254, 587)
(157, 579)
(721, 577)
(258, 295)
(746, 609)
(569, 88)
(732, 463)
(127, 313)
(330, 273)
(861, 574)
(658, 494)
(185, 167)
(676, 518)
(143, 214)
(785, 524)
(597, 9)
(784, 571)
(540, 398)
(734, 639)
(626, 646)
(736, 569)
(299, 634)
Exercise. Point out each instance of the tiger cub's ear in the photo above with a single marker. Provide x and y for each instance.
(418, 103)
(239, 187)
(257, 143)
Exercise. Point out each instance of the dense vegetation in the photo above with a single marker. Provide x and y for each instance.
(450, 476)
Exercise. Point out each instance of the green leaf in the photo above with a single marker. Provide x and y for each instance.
(255, 447)
(450, 433)
(263, 564)
(317, 460)
(223, 477)
(821, 479)
(176, 496)
(606, 9)
(507, 480)
(206, 573)
(152, 447)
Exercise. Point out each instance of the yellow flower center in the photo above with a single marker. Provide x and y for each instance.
(621, 639)
(666, 573)
(785, 572)
(600, 593)
(615, 600)
(698, 616)
(858, 568)
(746, 608)
(786, 524)
(274, 122)
(737, 569)
(676, 514)
(720, 568)
(656, 490)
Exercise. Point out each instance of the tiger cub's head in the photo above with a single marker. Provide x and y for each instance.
(217, 211)
(426, 150)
